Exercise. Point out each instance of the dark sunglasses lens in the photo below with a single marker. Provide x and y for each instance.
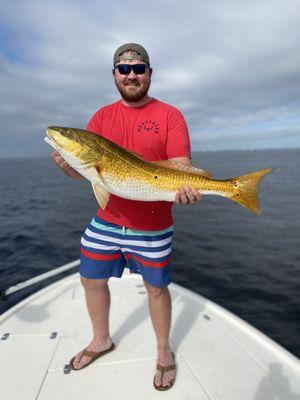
(124, 69)
(139, 68)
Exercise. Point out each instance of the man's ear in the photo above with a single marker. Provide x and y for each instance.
(113, 71)
(150, 71)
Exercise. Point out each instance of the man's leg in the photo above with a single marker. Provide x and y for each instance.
(98, 302)
(161, 309)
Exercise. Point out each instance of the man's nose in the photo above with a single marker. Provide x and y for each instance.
(132, 75)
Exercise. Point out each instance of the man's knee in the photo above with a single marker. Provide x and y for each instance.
(155, 291)
(93, 284)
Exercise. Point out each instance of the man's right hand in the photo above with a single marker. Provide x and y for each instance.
(64, 166)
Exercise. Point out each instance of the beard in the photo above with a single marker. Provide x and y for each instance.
(133, 90)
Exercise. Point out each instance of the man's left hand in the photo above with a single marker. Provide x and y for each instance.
(187, 196)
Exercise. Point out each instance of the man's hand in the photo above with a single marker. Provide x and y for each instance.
(64, 166)
(187, 196)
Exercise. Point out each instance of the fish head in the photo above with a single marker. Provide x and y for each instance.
(82, 146)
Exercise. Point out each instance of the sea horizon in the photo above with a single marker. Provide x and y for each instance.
(193, 151)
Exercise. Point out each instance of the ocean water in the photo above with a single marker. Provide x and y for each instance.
(246, 263)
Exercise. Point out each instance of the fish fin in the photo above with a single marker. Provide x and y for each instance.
(101, 194)
(183, 168)
(246, 189)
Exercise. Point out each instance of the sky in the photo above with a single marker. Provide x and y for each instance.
(232, 67)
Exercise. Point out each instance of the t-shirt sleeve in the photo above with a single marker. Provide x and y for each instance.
(178, 140)
(94, 124)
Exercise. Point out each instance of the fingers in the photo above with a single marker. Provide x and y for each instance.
(183, 196)
(177, 198)
(197, 194)
(59, 160)
(65, 167)
(187, 196)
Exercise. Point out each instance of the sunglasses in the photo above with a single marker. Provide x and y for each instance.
(125, 69)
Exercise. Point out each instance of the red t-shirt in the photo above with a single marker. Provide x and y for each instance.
(157, 131)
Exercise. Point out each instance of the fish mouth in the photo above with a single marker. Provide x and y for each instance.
(52, 131)
(50, 139)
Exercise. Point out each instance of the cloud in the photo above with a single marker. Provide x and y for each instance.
(231, 67)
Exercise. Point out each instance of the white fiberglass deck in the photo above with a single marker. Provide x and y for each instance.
(218, 355)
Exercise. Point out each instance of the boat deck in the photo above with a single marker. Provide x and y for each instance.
(218, 355)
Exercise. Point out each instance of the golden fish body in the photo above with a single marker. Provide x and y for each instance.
(112, 169)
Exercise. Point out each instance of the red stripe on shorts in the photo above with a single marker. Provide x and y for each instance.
(100, 256)
(152, 264)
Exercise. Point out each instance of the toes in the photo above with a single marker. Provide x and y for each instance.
(77, 363)
(83, 361)
(73, 362)
(167, 379)
(157, 380)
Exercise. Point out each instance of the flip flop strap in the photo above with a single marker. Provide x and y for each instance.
(165, 369)
(88, 353)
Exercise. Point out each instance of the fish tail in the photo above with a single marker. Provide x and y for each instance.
(246, 189)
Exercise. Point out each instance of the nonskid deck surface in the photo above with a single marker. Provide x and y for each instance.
(218, 356)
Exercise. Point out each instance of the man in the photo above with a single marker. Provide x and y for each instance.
(156, 131)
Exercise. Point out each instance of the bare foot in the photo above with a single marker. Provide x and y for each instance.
(165, 359)
(95, 345)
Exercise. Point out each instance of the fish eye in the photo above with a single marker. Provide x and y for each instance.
(155, 177)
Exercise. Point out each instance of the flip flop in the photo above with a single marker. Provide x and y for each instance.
(92, 354)
(163, 370)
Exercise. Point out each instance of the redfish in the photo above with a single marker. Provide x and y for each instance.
(112, 169)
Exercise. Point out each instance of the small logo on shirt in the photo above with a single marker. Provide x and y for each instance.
(148, 126)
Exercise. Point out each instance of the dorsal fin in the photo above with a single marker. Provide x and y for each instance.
(183, 168)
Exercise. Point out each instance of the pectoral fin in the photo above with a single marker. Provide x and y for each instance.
(101, 194)
(183, 168)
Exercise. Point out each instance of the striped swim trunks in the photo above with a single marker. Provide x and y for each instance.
(106, 248)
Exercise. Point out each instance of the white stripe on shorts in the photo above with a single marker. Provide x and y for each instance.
(141, 243)
(156, 254)
(97, 245)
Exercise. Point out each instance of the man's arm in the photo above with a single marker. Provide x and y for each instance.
(186, 195)
(64, 166)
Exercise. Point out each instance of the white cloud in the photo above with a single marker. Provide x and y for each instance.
(229, 66)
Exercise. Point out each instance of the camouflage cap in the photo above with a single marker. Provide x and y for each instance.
(142, 53)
